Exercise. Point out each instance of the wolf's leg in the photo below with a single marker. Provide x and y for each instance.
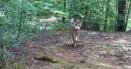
(73, 38)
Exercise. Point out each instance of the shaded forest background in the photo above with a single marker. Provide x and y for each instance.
(20, 20)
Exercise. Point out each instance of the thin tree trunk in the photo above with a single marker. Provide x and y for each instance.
(63, 18)
(2, 58)
(116, 17)
(106, 15)
(19, 28)
(85, 24)
(20, 22)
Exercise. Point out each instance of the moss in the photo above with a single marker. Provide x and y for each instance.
(47, 58)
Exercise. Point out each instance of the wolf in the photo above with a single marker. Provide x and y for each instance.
(75, 30)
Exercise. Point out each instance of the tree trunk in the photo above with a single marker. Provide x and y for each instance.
(128, 13)
(106, 15)
(64, 18)
(121, 21)
(20, 22)
(86, 19)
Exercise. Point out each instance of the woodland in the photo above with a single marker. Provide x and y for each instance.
(35, 34)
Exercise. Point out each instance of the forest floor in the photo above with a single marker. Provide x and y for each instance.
(95, 50)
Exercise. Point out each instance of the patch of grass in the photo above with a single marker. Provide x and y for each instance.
(16, 65)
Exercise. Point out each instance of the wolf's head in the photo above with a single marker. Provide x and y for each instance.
(76, 23)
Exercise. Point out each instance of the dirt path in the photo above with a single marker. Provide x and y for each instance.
(96, 50)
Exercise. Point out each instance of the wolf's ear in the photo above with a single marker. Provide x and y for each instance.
(80, 24)
(72, 20)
